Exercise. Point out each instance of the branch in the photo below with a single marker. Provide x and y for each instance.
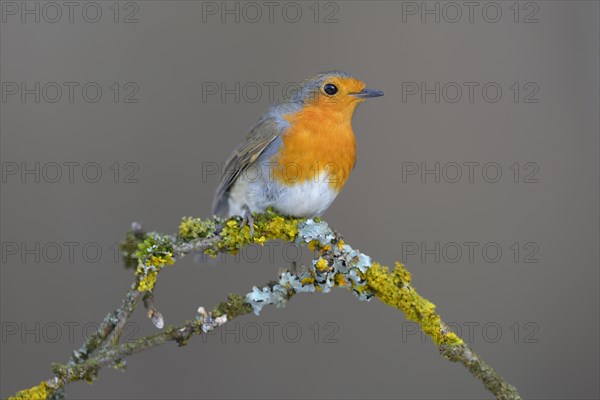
(335, 264)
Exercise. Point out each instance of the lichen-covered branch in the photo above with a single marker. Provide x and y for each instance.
(336, 264)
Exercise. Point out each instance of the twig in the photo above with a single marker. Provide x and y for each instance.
(337, 264)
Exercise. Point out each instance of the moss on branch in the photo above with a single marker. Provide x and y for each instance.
(336, 264)
(393, 288)
(39, 392)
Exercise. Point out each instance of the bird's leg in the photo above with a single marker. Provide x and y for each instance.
(247, 219)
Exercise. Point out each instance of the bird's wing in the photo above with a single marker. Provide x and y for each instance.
(244, 155)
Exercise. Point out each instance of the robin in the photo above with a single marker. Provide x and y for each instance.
(299, 155)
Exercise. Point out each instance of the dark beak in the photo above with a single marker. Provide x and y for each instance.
(366, 93)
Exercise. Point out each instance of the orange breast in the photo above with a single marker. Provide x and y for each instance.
(318, 146)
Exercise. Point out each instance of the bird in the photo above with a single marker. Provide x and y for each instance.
(299, 155)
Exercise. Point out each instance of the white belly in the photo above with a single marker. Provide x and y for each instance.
(307, 199)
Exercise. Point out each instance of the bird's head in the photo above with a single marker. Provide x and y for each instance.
(334, 91)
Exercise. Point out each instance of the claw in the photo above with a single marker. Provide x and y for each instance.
(247, 219)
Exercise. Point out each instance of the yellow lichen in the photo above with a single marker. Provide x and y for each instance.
(280, 228)
(39, 392)
(188, 227)
(233, 237)
(340, 244)
(393, 288)
(307, 281)
(321, 265)
(313, 245)
(267, 226)
(148, 281)
(161, 261)
(193, 228)
(339, 280)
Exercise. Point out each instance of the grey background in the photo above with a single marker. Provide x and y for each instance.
(171, 131)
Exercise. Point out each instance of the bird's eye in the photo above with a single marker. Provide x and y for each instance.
(330, 89)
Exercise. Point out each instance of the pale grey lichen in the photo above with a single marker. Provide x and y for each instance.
(208, 322)
(348, 263)
(259, 298)
(287, 279)
(310, 230)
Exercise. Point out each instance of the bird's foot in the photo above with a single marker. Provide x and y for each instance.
(247, 219)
